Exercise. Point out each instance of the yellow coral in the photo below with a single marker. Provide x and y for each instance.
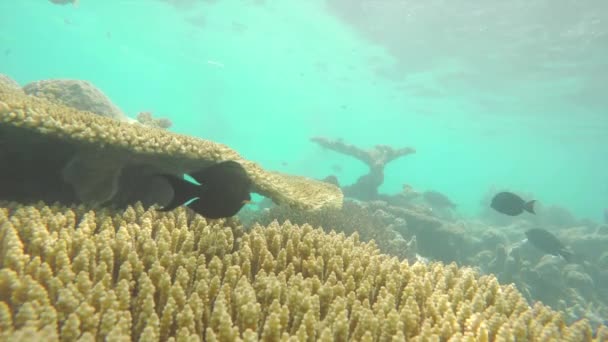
(117, 142)
(73, 274)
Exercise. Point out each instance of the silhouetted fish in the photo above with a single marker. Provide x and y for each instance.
(65, 2)
(224, 190)
(438, 199)
(548, 243)
(509, 203)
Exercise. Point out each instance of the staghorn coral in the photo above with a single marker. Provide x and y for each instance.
(99, 149)
(376, 158)
(75, 274)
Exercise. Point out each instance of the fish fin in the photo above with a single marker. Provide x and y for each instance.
(183, 191)
(529, 206)
(221, 168)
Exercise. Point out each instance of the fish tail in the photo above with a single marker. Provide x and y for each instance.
(182, 191)
(529, 206)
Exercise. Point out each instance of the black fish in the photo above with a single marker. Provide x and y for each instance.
(224, 190)
(510, 204)
(65, 2)
(548, 243)
(438, 199)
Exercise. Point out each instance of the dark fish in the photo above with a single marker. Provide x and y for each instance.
(224, 190)
(606, 215)
(509, 203)
(438, 199)
(65, 2)
(548, 243)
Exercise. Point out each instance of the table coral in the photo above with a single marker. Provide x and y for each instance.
(102, 148)
(77, 274)
(78, 94)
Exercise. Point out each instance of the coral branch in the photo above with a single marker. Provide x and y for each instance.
(366, 187)
(378, 156)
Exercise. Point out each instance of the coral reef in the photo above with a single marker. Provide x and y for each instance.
(577, 290)
(352, 217)
(366, 187)
(97, 151)
(436, 239)
(9, 82)
(81, 95)
(76, 274)
(146, 118)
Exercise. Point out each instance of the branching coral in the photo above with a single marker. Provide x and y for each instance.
(76, 274)
(352, 217)
(366, 187)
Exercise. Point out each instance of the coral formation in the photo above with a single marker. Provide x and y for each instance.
(366, 187)
(76, 274)
(81, 95)
(146, 118)
(9, 82)
(97, 151)
(352, 217)
(576, 290)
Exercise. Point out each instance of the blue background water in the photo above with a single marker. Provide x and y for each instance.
(264, 78)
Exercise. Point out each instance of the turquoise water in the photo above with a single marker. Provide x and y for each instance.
(264, 78)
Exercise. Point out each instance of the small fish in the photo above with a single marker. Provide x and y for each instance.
(215, 64)
(438, 199)
(606, 215)
(548, 243)
(224, 190)
(510, 204)
(238, 27)
(65, 2)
